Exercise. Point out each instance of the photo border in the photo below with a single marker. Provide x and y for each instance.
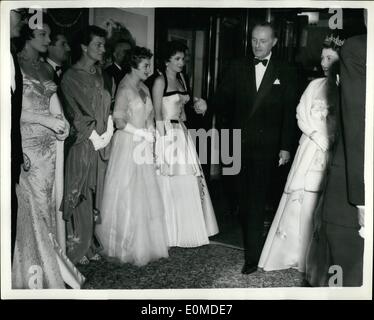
(362, 293)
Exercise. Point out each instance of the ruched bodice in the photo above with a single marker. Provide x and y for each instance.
(131, 107)
(172, 104)
(36, 98)
(139, 111)
(36, 94)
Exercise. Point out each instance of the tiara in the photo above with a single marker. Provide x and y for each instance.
(335, 40)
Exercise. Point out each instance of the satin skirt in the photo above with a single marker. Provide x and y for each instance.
(189, 212)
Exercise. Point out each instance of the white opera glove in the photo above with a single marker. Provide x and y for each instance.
(108, 134)
(96, 140)
(320, 140)
(105, 138)
(361, 220)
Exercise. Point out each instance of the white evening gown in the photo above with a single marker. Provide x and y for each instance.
(133, 226)
(189, 213)
(291, 231)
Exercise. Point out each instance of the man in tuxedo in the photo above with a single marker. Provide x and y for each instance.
(341, 233)
(259, 96)
(57, 57)
(116, 69)
(16, 23)
(58, 54)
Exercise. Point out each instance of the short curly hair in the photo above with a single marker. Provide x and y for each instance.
(136, 55)
(84, 36)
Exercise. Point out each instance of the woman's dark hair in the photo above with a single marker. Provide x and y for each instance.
(333, 42)
(171, 48)
(85, 36)
(135, 56)
(27, 32)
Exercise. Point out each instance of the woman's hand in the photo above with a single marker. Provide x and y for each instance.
(200, 106)
(65, 134)
(57, 124)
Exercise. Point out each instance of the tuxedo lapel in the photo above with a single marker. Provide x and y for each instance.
(265, 87)
(249, 89)
(252, 82)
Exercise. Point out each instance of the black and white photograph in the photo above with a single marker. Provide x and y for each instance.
(158, 150)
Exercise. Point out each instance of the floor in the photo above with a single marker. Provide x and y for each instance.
(216, 265)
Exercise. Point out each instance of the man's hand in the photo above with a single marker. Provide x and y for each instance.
(284, 157)
(361, 220)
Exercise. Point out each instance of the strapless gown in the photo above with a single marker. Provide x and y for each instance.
(189, 212)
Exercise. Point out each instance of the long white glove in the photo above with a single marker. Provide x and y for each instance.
(96, 140)
(107, 135)
(140, 133)
(361, 220)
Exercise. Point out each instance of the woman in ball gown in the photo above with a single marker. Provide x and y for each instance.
(39, 260)
(87, 94)
(291, 231)
(189, 213)
(133, 227)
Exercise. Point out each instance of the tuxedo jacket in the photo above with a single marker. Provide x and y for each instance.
(116, 73)
(56, 78)
(345, 183)
(16, 105)
(353, 82)
(267, 117)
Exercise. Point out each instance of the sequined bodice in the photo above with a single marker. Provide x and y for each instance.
(37, 94)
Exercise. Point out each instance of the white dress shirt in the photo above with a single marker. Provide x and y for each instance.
(54, 65)
(260, 71)
(118, 66)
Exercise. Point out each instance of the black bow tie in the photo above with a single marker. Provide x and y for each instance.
(263, 61)
(58, 68)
